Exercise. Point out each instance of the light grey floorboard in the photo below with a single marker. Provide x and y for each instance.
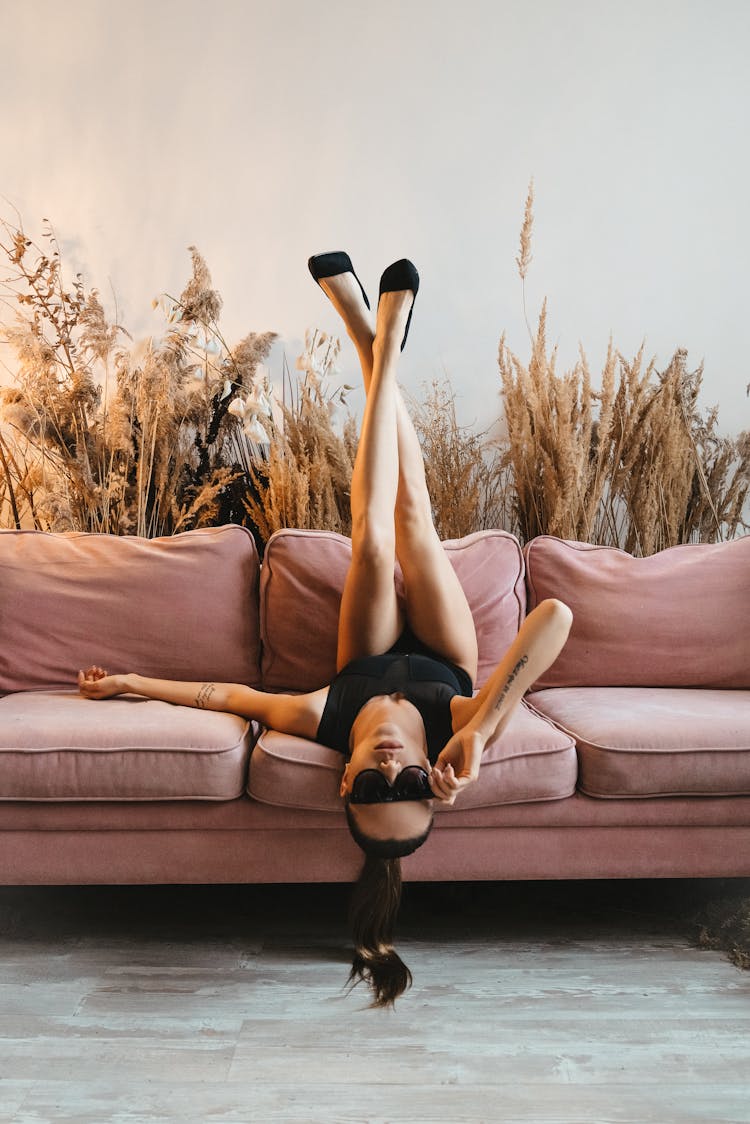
(376, 1104)
(542, 1004)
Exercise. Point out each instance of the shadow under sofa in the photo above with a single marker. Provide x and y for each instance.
(630, 757)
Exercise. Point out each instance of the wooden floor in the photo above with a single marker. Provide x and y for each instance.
(224, 1005)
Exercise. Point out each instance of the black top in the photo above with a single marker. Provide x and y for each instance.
(427, 681)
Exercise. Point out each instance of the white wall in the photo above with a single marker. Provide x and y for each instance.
(267, 131)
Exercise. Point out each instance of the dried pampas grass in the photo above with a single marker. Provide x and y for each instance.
(634, 465)
(465, 474)
(305, 479)
(97, 436)
(102, 433)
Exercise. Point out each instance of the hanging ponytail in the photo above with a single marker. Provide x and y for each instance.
(372, 915)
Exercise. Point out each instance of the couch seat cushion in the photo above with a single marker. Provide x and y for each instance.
(180, 607)
(655, 741)
(56, 745)
(302, 579)
(679, 618)
(531, 761)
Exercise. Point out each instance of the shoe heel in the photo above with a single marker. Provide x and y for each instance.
(331, 265)
(400, 275)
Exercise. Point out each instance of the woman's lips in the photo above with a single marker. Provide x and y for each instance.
(389, 743)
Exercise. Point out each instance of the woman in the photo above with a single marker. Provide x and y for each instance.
(400, 708)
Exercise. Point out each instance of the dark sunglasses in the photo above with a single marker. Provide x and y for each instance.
(371, 787)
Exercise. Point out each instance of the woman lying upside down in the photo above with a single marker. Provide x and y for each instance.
(400, 708)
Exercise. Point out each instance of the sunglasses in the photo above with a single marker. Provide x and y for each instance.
(371, 787)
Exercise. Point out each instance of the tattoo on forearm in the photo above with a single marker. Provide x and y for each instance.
(201, 699)
(521, 663)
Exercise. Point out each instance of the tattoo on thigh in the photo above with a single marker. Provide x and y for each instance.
(201, 699)
(521, 663)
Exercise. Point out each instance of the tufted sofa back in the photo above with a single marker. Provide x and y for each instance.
(302, 580)
(679, 618)
(183, 607)
(197, 605)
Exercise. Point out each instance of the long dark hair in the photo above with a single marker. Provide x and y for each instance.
(372, 915)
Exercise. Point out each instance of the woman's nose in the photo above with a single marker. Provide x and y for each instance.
(390, 769)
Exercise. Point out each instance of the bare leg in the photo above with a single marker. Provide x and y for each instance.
(370, 619)
(437, 609)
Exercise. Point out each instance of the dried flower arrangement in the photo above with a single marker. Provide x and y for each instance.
(184, 431)
(150, 441)
(466, 477)
(647, 472)
(305, 479)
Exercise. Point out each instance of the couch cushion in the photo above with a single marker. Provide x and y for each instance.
(679, 618)
(302, 579)
(532, 760)
(655, 741)
(183, 607)
(57, 745)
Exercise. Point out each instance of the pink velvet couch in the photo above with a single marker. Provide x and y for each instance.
(629, 758)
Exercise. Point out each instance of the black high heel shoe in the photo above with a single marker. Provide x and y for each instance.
(401, 275)
(331, 265)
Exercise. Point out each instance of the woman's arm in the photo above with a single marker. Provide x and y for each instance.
(290, 714)
(537, 645)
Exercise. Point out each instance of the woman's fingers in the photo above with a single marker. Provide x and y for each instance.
(444, 783)
(436, 783)
(88, 680)
(94, 672)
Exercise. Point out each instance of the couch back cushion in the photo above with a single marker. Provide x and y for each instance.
(679, 618)
(302, 579)
(183, 607)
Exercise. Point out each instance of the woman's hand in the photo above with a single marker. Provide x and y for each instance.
(95, 683)
(457, 765)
